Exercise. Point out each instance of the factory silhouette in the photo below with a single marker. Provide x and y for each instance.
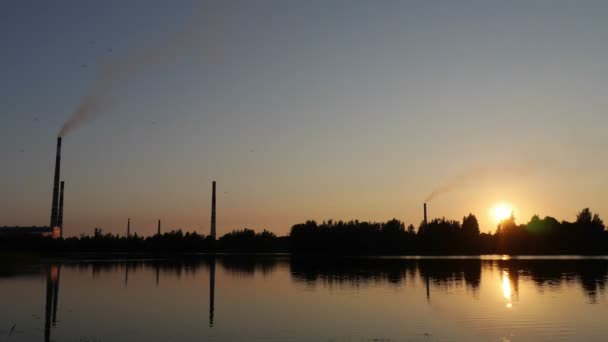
(55, 228)
(586, 235)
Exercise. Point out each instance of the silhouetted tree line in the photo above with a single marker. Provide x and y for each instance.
(586, 235)
(243, 241)
(353, 237)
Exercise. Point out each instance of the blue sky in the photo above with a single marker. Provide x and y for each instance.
(304, 110)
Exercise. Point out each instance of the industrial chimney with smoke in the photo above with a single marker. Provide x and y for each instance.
(60, 214)
(425, 221)
(56, 226)
(213, 233)
(55, 202)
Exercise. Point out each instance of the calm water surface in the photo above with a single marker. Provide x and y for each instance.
(286, 299)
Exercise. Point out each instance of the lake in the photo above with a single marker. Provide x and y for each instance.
(283, 298)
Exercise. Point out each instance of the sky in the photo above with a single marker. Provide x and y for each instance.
(302, 110)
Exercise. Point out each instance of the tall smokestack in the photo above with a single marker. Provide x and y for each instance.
(60, 215)
(158, 231)
(213, 212)
(425, 221)
(128, 227)
(56, 184)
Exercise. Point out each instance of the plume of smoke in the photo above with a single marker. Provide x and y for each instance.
(458, 182)
(88, 108)
(118, 70)
(480, 174)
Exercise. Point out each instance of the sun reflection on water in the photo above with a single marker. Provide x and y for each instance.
(506, 288)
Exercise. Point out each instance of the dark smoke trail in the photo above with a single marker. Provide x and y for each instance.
(457, 182)
(116, 71)
(477, 175)
(87, 109)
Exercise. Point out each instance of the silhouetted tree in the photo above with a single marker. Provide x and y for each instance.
(511, 237)
(586, 235)
(470, 235)
(411, 230)
(470, 226)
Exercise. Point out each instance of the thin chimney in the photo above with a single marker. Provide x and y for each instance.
(54, 206)
(60, 215)
(425, 221)
(213, 232)
(158, 231)
(128, 227)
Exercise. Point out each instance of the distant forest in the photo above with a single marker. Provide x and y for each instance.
(587, 235)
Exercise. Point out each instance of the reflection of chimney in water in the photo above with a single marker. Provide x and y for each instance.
(49, 307)
(126, 274)
(211, 290)
(428, 289)
(157, 274)
(55, 276)
(52, 294)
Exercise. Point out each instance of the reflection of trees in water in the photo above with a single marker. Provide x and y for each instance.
(436, 274)
(357, 271)
(590, 274)
(178, 267)
(452, 272)
(351, 271)
(173, 267)
(249, 265)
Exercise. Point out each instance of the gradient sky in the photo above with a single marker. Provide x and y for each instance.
(305, 110)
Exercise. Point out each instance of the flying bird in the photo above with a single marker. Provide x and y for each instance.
(83, 66)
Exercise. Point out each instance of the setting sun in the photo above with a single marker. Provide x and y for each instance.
(502, 211)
